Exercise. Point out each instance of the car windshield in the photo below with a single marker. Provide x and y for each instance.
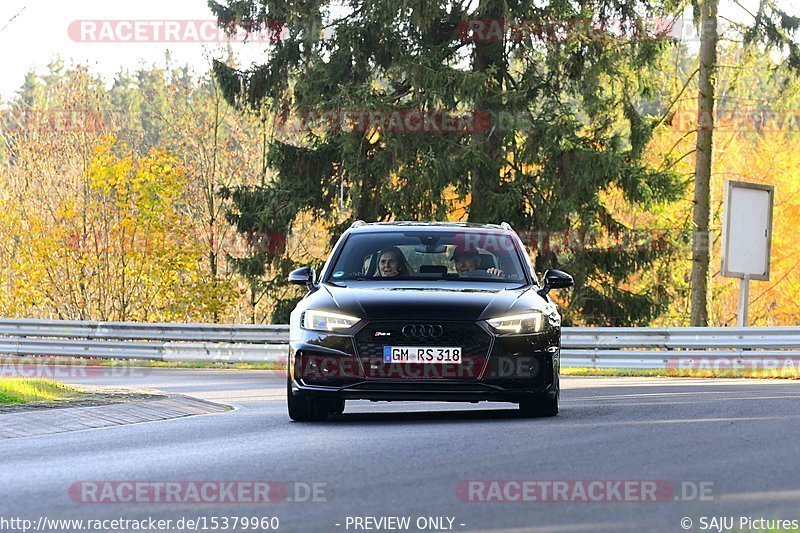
(457, 256)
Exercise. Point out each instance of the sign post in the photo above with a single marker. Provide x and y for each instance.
(746, 236)
(744, 299)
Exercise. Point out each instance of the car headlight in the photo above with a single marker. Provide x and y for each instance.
(532, 322)
(326, 321)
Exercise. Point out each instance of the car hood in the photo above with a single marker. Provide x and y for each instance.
(427, 303)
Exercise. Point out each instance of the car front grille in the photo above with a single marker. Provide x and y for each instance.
(469, 336)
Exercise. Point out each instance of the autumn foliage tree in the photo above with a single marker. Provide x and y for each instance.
(93, 230)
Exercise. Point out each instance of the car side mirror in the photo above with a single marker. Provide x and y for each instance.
(303, 276)
(555, 279)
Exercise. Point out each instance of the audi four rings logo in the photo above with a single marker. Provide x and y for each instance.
(423, 330)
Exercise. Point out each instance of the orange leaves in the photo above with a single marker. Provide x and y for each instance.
(768, 157)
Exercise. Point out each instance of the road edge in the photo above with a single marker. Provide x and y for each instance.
(68, 419)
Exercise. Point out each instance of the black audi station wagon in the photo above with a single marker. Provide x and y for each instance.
(425, 311)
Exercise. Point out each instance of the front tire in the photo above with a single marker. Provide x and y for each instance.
(337, 407)
(305, 409)
(539, 407)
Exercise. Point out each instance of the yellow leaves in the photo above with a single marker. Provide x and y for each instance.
(458, 207)
(373, 135)
(117, 248)
(142, 189)
(770, 158)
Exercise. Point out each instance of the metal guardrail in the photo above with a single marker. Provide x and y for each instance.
(585, 347)
(679, 347)
(74, 329)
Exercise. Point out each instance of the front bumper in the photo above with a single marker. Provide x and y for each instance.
(506, 368)
(441, 391)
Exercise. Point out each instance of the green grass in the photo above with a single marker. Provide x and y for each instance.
(774, 373)
(220, 364)
(137, 363)
(25, 390)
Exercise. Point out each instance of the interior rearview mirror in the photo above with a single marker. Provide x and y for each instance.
(430, 248)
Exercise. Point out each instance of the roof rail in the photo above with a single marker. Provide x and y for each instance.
(358, 224)
(506, 225)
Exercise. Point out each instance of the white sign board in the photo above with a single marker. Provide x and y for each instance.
(747, 230)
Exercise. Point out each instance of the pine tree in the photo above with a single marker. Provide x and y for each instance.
(554, 96)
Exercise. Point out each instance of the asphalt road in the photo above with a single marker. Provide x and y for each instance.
(735, 439)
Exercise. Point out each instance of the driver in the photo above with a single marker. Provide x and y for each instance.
(468, 261)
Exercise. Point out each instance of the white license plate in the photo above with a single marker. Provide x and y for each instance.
(422, 354)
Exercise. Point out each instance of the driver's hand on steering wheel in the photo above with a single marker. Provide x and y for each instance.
(495, 272)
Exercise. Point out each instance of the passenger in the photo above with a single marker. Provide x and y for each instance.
(467, 262)
(392, 263)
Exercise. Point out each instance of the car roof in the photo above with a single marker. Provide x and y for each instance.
(364, 227)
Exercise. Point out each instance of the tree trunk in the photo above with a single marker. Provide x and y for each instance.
(485, 179)
(701, 241)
